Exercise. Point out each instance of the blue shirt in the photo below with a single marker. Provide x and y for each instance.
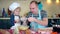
(12, 19)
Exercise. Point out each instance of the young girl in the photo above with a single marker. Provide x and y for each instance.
(15, 11)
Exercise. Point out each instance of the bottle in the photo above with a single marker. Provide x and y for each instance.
(4, 13)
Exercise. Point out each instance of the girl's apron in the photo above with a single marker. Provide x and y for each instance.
(35, 25)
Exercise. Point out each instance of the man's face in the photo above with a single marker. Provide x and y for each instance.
(33, 8)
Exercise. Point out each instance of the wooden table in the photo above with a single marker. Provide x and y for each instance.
(28, 31)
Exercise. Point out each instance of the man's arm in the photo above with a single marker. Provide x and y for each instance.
(43, 22)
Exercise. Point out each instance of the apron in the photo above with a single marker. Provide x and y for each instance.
(35, 25)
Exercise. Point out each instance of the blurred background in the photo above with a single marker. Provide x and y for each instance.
(51, 6)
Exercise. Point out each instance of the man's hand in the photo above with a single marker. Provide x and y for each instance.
(31, 19)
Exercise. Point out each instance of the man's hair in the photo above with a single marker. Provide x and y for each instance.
(34, 2)
(37, 3)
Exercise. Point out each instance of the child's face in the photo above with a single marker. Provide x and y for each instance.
(17, 11)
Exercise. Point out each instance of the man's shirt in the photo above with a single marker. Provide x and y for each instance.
(42, 12)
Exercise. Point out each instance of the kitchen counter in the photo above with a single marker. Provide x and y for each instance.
(4, 18)
(28, 31)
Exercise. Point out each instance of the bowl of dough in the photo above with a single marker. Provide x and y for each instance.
(22, 27)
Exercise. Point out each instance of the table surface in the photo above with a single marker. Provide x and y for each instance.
(28, 31)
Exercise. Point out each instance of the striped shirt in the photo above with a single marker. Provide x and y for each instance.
(43, 15)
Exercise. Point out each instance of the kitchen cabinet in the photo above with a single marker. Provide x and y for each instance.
(5, 23)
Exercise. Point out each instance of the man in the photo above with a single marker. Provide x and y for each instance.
(37, 17)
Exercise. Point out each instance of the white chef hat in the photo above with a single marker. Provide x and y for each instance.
(13, 6)
(16, 17)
